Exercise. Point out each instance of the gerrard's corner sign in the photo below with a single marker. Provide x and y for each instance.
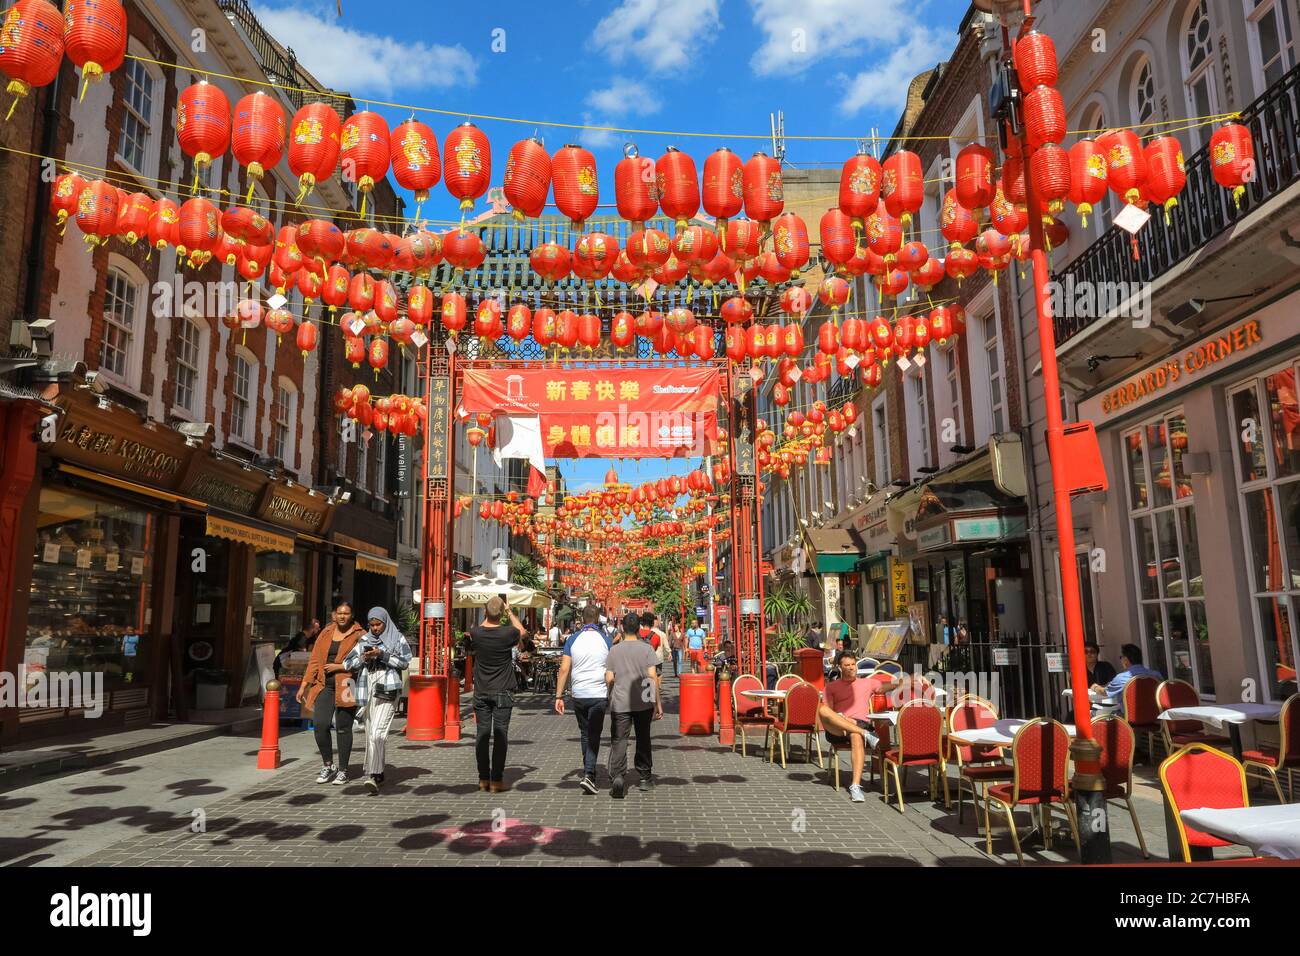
(605, 412)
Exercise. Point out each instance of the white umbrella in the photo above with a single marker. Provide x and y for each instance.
(478, 590)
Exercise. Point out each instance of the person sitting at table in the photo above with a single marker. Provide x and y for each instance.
(725, 658)
(845, 714)
(1130, 658)
(1100, 673)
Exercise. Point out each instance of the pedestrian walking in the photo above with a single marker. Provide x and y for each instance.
(378, 660)
(583, 660)
(328, 692)
(695, 644)
(634, 701)
(677, 642)
(494, 686)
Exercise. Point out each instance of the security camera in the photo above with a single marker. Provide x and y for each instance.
(95, 382)
(345, 497)
(194, 432)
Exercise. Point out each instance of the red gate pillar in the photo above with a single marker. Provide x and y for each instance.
(746, 589)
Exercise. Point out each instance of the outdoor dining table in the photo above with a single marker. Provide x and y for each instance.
(999, 734)
(1099, 700)
(1268, 831)
(1231, 715)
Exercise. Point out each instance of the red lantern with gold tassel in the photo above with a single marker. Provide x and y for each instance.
(736, 310)
(466, 164)
(94, 38)
(860, 188)
(544, 321)
(1166, 172)
(589, 330)
(834, 291)
(527, 178)
(695, 245)
(956, 223)
(622, 330)
(566, 329)
(419, 305)
(1232, 159)
(1050, 168)
(723, 190)
(903, 186)
(463, 250)
(320, 241)
(648, 249)
(1088, 177)
(377, 354)
(203, 124)
(764, 188)
(519, 322)
(596, 253)
(771, 270)
(1036, 60)
(1009, 218)
(974, 189)
(913, 256)
(31, 47)
(792, 340)
(884, 233)
(257, 136)
(454, 312)
(365, 152)
(679, 187)
(742, 242)
(97, 211)
(735, 343)
(635, 192)
(796, 301)
(487, 320)
(313, 146)
(133, 219)
(413, 151)
(1044, 116)
(573, 177)
(961, 264)
(828, 338)
(702, 343)
(200, 229)
(306, 337)
(838, 241)
(648, 323)
(892, 283)
(550, 260)
(1126, 165)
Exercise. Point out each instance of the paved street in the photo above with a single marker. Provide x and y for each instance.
(709, 807)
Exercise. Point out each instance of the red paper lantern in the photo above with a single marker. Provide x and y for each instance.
(903, 186)
(771, 270)
(663, 341)
(1036, 60)
(203, 123)
(828, 338)
(974, 189)
(257, 137)
(1050, 168)
(527, 178)
(467, 164)
(566, 329)
(487, 320)
(364, 152)
(678, 185)
(622, 330)
(321, 241)
(97, 211)
(695, 245)
(31, 47)
(1126, 165)
(550, 260)
(454, 312)
(573, 175)
(1044, 116)
(671, 272)
(544, 322)
(306, 338)
(1166, 172)
(736, 310)
(913, 256)
(1232, 159)
(872, 375)
(723, 191)
(735, 343)
(1088, 176)
(764, 188)
(1008, 217)
(413, 149)
(385, 301)
(795, 301)
(463, 249)
(680, 319)
(200, 228)
(892, 283)
(635, 190)
(834, 291)
(884, 233)
(860, 188)
(377, 354)
(314, 145)
(961, 264)
(648, 323)
(94, 37)
(595, 253)
(519, 322)
(419, 305)
(133, 219)
(955, 220)
(743, 240)
(792, 340)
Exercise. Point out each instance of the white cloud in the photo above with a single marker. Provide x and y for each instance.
(659, 34)
(884, 86)
(801, 34)
(610, 107)
(365, 63)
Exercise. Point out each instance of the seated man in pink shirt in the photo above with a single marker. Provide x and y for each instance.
(846, 713)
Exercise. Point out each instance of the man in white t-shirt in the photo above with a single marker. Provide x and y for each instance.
(584, 656)
(553, 636)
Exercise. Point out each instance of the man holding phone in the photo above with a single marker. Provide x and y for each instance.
(492, 644)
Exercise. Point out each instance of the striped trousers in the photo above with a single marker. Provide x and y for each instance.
(379, 720)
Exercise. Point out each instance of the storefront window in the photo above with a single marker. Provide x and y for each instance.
(1167, 563)
(1265, 410)
(278, 585)
(92, 578)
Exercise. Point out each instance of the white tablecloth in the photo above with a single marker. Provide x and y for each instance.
(1216, 715)
(1098, 699)
(999, 734)
(1268, 831)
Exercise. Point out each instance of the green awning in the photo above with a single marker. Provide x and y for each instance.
(837, 550)
(836, 563)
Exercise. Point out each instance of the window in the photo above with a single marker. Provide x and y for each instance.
(993, 369)
(880, 425)
(189, 365)
(1198, 64)
(381, 466)
(363, 442)
(344, 424)
(286, 412)
(243, 406)
(117, 350)
(1171, 591)
(138, 116)
(1268, 481)
(950, 366)
(1272, 48)
(918, 426)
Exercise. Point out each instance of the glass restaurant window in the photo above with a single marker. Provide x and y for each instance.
(92, 575)
(1266, 416)
(278, 586)
(1167, 562)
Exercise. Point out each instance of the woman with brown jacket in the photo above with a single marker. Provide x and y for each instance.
(328, 692)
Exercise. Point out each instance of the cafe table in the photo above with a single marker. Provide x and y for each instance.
(1098, 700)
(1231, 716)
(1272, 830)
(998, 734)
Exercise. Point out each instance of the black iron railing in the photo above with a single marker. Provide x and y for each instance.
(1010, 669)
(1205, 209)
(278, 62)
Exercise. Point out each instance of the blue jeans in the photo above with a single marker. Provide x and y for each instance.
(590, 712)
(492, 714)
(677, 661)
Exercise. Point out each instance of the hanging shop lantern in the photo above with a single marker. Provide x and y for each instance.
(929, 275)
(1088, 177)
(648, 323)
(695, 245)
(1044, 116)
(792, 340)
(723, 189)
(566, 329)
(940, 324)
(680, 319)
(413, 150)
(854, 334)
(1056, 233)
(884, 233)
(94, 38)
(31, 47)
(956, 222)
(365, 152)
(838, 241)
(1009, 218)
(314, 146)
(550, 260)
(771, 270)
(974, 189)
(755, 342)
(65, 194)
(1036, 60)
(1232, 159)
(1013, 182)
(417, 254)
(596, 253)
(257, 136)
(671, 272)
(622, 330)
(736, 310)
(377, 354)
(589, 330)
(361, 292)
(678, 186)
(663, 341)
(1166, 172)
(97, 211)
(466, 164)
(252, 261)
(320, 241)
(400, 330)
(544, 321)
(419, 305)
(624, 270)
(279, 321)
(1050, 168)
(734, 340)
(527, 178)
(487, 320)
(913, 256)
(573, 177)
(796, 301)
(743, 240)
(519, 322)
(1126, 165)
(892, 283)
(635, 192)
(247, 226)
(764, 188)
(463, 250)
(385, 301)
(200, 229)
(133, 219)
(872, 375)
(903, 186)
(648, 249)
(203, 123)
(834, 291)
(961, 264)
(828, 338)
(860, 180)
(454, 312)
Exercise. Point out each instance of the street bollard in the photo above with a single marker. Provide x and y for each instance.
(726, 722)
(426, 708)
(469, 673)
(268, 755)
(452, 721)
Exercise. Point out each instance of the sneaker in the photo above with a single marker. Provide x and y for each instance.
(856, 794)
(644, 785)
(589, 785)
(618, 789)
(372, 783)
(340, 778)
(326, 773)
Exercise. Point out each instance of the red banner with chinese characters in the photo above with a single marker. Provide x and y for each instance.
(605, 413)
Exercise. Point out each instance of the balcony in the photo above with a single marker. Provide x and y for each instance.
(1205, 220)
(278, 62)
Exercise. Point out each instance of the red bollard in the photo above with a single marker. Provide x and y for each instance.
(452, 721)
(696, 704)
(268, 755)
(426, 708)
(469, 673)
(726, 723)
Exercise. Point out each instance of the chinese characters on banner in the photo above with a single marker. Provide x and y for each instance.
(744, 439)
(902, 588)
(605, 413)
(439, 420)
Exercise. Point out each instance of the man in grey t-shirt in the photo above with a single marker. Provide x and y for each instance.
(634, 701)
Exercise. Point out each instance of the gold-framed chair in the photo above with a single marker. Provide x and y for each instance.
(1040, 752)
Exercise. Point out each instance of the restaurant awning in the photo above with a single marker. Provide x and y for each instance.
(376, 565)
(257, 538)
(837, 550)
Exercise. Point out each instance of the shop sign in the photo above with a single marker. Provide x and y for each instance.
(438, 425)
(228, 487)
(1055, 663)
(1001, 657)
(377, 565)
(901, 586)
(285, 507)
(991, 528)
(933, 538)
(257, 538)
(105, 442)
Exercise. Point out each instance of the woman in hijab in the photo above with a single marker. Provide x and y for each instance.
(378, 660)
(327, 692)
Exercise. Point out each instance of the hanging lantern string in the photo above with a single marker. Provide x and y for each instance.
(485, 117)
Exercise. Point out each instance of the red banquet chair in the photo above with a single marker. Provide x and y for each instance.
(920, 744)
(1141, 712)
(1200, 776)
(1180, 733)
(1267, 761)
(799, 716)
(1118, 745)
(977, 767)
(1039, 754)
(788, 681)
(748, 711)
